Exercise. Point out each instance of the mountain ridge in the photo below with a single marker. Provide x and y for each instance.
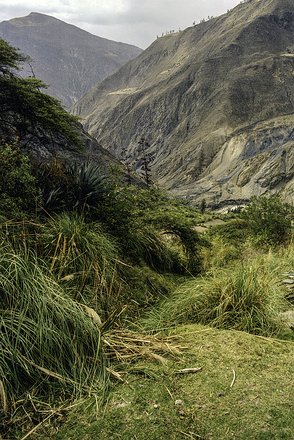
(190, 93)
(69, 59)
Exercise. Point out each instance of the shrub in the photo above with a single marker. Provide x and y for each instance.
(179, 226)
(269, 219)
(76, 187)
(19, 192)
(234, 231)
(88, 185)
(141, 218)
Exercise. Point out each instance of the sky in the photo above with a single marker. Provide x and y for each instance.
(136, 22)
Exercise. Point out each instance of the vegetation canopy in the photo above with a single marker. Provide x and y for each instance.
(25, 110)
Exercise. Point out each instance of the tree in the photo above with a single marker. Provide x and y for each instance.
(146, 158)
(25, 109)
(203, 206)
(9, 58)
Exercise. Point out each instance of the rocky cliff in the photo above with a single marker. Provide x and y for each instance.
(215, 102)
(65, 57)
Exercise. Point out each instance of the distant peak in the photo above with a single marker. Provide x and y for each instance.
(40, 17)
(34, 18)
(37, 13)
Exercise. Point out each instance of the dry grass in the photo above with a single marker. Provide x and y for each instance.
(125, 346)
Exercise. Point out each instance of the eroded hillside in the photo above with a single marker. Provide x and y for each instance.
(215, 102)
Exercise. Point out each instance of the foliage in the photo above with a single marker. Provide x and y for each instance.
(269, 219)
(219, 253)
(88, 185)
(248, 297)
(9, 58)
(146, 245)
(179, 226)
(47, 340)
(143, 287)
(140, 219)
(87, 263)
(55, 185)
(110, 252)
(84, 258)
(234, 231)
(76, 187)
(25, 109)
(18, 188)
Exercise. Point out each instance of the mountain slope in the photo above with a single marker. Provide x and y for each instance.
(216, 103)
(65, 57)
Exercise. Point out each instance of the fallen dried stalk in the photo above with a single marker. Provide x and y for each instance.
(3, 398)
(234, 378)
(189, 370)
(125, 346)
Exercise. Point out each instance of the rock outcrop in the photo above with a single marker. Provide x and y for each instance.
(215, 102)
(68, 59)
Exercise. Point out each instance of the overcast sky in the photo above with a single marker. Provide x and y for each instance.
(131, 21)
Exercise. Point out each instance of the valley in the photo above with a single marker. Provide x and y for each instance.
(147, 241)
(203, 96)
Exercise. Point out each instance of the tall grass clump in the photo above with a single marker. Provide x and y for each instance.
(140, 219)
(84, 257)
(47, 340)
(147, 245)
(219, 253)
(249, 297)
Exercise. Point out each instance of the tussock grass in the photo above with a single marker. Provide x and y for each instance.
(284, 256)
(249, 297)
(47, 340)
(219, 253)
(146, 244)
(74, 245)
(85, 258)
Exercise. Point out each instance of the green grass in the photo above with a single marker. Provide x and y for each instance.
(57, 355)
(256, 405)
(84, 258)
(48, 342)
(219, 253)
(247, 297)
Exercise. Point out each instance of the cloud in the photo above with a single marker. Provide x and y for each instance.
(134, 21)
(89, 9)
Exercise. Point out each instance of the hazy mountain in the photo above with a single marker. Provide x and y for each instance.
(65, 57)
(216, 103)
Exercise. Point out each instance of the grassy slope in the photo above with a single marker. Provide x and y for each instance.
(259, 405)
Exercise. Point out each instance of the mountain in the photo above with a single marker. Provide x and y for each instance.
(215, 102)
(68, 59)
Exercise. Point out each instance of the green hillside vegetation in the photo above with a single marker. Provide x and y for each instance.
(25, 109)
(108, 291)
